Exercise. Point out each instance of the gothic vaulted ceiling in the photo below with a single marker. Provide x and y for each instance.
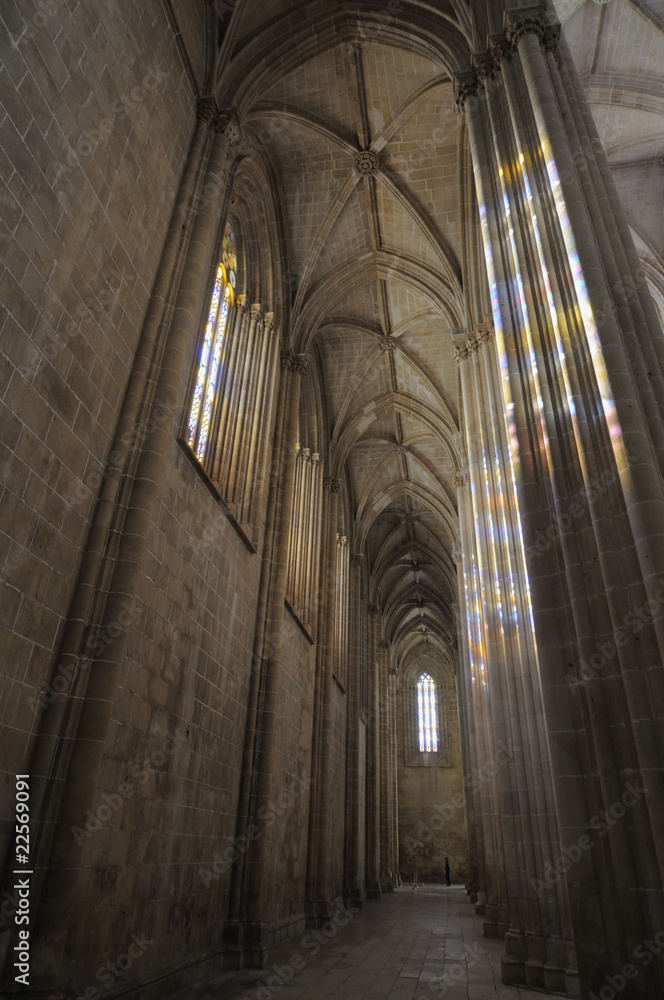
(352, 110)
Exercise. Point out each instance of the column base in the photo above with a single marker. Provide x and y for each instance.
(374, 891)
(496, 923)
(538, 963)
(249, 944)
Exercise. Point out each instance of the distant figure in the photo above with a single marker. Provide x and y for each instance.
(448, 871)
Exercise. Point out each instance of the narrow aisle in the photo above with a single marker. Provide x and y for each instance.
(423, 944)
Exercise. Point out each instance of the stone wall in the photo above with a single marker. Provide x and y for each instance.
(95, 125)
(430, 786)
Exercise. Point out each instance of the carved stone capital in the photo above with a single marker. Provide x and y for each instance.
(255, 311)
(461, 354)
(206, 110)
(341, 539)
(366, 162)
(460, 480)
(300, 364)
(357, 558)
(551, 39)
(485, 66)
(465, 85)
(499, 49)
(268, 322)
(242, 303)
(227, 123)
(374, 610)
(337, 486)
(286, 357)
(530, 20)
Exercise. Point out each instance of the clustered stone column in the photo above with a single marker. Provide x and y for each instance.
(356, 739)
(247, 934)
(568, 399)
(320, 874)
(374, 796)
(509, 779)
(304, 548)
(69, 749)
(238, 432)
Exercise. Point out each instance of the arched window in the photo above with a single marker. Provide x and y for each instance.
(427, 714)
(227, 427)
(209, 368)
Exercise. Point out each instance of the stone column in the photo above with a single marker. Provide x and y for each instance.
(373, 757)
(355, 829)
(69, 756)
(247, 931)
(584, 426)
(322, 824)
(384, 770)
(462, 611)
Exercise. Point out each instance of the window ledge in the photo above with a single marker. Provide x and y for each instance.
(299, 622)
(338, 682)
(235, 524)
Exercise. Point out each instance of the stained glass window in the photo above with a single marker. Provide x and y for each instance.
(427, 714)
(207, 378)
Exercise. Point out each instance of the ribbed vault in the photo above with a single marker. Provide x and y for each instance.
(357, 122)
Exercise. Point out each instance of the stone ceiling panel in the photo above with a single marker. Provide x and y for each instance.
(429, 345)
(348, 239)
(412, 382)
(629, 135)
(313, 170)
(322, 86)
(423, 156)
(361, 303)
(343, 353)
(391, 75)
(363, 461)
(401, 231)
(628, 43)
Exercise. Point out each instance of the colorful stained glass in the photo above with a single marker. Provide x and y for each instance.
(200, 414)
(229, 253)
(205, 356)
(427, 714)
(212, 379)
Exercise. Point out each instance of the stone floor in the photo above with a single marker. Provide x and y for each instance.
(422, 944)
